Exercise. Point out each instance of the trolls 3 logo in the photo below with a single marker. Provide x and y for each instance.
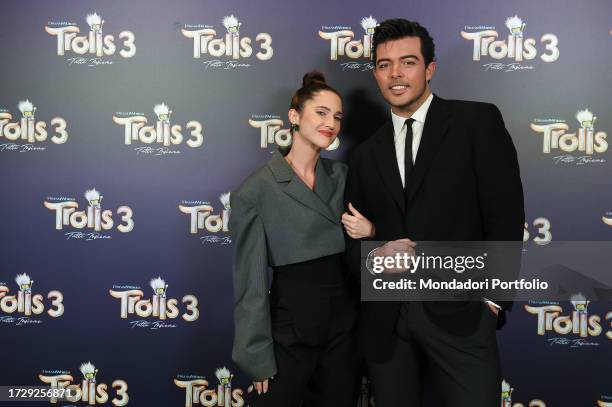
(90, 391)
(29, 130)
(514, 47)
(543, 236)
(162, 133)
(27, 303)
(94, 218)
(159, 306)
(94, 43)
(197, 391)
(579, 323)
(202, 218)
(506, 398)
(231, 45)
(342, 43)
(585, 141)
(271, 132)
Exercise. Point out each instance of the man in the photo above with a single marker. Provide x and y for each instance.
(439, 170)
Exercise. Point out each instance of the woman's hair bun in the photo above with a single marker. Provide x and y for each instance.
(312, 78)
(312, 83)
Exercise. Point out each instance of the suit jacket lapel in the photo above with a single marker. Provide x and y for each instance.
(386, 163)
(324, 184)
(434, 131)
(293, 186)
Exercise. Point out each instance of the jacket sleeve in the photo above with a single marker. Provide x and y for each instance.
(352, 194)
(499, 183)
(253, 349)
(499, 188)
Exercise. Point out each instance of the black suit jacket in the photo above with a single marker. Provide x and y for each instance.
(465, 186)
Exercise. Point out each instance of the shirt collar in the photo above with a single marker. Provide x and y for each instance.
(419, 115)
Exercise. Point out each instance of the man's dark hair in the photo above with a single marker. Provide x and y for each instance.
(398, 28)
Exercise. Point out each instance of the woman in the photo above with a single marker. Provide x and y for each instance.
(296, 342)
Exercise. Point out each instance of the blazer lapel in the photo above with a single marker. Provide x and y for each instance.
(325, 185)
(293, 186)
(434, 131)
(386, 163)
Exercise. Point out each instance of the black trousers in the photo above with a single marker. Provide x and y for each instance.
(313, 325)
(464, 370)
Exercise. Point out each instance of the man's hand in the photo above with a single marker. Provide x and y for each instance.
(493, 308)
(357, 226)
(394, 247)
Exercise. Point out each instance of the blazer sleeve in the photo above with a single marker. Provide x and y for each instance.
(253, 349)
(500, 191)
(353, 194)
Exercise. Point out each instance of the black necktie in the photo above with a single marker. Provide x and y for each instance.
(408, 152)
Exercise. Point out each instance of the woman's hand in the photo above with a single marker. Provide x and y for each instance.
(261, 386)
(357, 226)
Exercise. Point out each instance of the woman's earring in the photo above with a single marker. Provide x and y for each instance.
(294, 127)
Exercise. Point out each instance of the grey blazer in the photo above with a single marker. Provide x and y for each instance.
(276, 220)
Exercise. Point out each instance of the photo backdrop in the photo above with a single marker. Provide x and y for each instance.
(124, 123)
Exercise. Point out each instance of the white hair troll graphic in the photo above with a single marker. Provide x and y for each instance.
(225, 200)
(515, 25)
(159, 286)
(506, 392)
(163, 112)
(224, 376)
(24, 282)
(27, 109)
(585, 118)
(369, 24)
(232, 25)
(95, 22)
(94, 198)
(579, 302)
(89, 371)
